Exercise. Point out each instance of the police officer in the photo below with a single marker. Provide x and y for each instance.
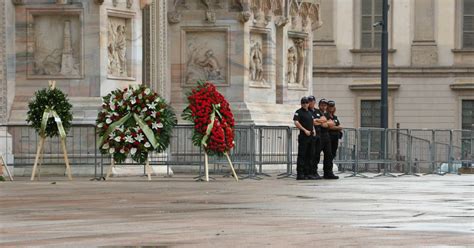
(325, 140)
(316, 138)
(304, 122)
(335, 132)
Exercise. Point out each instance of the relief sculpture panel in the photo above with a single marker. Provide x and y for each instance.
(206, 57)
(258, 59)
(55, 46)
(117, 47)
(297, 62)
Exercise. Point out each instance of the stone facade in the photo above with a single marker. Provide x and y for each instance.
(257, 52)
(429, 71)
(88, 47)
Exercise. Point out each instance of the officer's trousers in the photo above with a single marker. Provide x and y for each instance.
(325, 147)
(305, 154)
(316, 143)
(334, 144)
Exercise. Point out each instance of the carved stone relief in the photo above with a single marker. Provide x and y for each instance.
(291, 65)
(117, 47)
(56, 46)
(301, 59)
(256, 61)
(296, 62)
(129, 3)
(210, 16)
(206, 57)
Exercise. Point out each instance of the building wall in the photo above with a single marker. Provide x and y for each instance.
(429, 72)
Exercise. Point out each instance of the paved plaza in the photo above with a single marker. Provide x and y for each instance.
(179, 212)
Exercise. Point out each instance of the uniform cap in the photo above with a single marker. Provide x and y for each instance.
(323, 100)
(304, 100)
(331, 103)
(311, 98)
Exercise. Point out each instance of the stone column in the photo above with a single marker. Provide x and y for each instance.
(3, 64)
(424, 49)
(156, 49)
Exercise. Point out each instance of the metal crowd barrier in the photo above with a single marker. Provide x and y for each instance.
(362, 150)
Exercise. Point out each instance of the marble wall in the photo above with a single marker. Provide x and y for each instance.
(89, 47)
(257, 52)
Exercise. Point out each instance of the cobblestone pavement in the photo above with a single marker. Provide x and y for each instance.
(179, 212)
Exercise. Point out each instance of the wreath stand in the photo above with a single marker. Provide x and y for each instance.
(40, 148)
(148, 169)
(39, 156)
(206, 166)
(3, 163)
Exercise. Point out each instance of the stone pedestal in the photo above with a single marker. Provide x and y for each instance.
(258, 54)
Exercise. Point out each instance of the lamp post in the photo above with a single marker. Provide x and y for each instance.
(384, 73)
(384, 90)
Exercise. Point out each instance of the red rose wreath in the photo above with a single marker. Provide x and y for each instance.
(213, 120)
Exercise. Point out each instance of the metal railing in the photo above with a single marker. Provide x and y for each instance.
(362, 150)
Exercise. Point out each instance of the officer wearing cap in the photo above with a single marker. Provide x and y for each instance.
(325, 141)
(316, 142)
(335, 132)
(304, 122)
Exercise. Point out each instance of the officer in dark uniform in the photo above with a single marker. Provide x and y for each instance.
(335, 132)
(316, 138)
(325, 141)
(304, 122)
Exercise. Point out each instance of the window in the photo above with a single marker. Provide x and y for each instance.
(370, 113)
(467, 114)
(371, 36)
(468, 24)
(370, 139)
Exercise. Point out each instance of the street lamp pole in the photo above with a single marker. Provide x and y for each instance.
(384, 74)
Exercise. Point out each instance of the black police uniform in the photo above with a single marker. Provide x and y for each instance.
(316, 142)
(305, 150)
(334, 135)
(325, 147)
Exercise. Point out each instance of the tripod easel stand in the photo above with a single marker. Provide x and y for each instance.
(3, 163)
(39, 155)
(40, 148)
(206, 165)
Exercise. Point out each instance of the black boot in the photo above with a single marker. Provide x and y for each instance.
(300, 177)
(330, 175)
(315, 176)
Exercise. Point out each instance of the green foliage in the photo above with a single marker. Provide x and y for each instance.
(54, 99)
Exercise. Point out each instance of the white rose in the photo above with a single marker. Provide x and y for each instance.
(108, 121)
(106, 146)
(122, 150)
(118, 138)
(100, 125)
(111, 150)
(133, 150)
(147, 91)
(147, 144)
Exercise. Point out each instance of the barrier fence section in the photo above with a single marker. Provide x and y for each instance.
(361, 150)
